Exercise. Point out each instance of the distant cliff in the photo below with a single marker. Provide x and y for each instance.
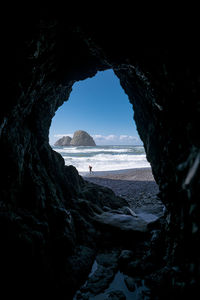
(64, 141)
(80, 138)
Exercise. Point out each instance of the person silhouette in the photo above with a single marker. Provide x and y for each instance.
(90, 169)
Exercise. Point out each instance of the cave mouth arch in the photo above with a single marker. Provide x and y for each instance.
(38, 191)
(115, 153)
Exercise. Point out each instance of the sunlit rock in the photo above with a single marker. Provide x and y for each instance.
(82, 138)
(64, 141)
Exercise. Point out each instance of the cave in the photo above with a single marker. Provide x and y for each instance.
(49, 237)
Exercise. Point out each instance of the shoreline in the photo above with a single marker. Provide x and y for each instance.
(113, 172)
(137, 186)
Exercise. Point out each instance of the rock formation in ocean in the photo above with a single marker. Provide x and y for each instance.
(50, 233)
(82, 138)
(64, 141)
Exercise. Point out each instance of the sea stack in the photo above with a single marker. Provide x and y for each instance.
(64, 141)
(82, 138)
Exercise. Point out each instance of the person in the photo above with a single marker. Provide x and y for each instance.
(90, 169)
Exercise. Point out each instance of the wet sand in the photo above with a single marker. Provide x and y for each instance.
(137, 186)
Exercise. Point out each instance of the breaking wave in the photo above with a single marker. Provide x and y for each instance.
(104, 158)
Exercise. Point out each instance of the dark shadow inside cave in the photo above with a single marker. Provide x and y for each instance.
(55, 224)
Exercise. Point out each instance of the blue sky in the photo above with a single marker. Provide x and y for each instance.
(99, 106)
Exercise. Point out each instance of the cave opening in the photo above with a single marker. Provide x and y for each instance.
(100, 107)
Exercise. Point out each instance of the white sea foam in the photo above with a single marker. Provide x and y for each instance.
(104, 158)
(90, 150)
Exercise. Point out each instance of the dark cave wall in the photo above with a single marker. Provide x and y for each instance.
(37, 192)
(46, 67)
(37, 189)
(163, 86)
(166, 112)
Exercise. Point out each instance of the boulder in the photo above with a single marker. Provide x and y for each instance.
(121, 222)
(82, 138)
(64, 141)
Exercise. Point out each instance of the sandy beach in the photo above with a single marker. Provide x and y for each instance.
(137, 186)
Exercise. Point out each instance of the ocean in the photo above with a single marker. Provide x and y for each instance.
(104, 158)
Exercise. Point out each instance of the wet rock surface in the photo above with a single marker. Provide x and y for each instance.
(121, 222)
(119, 272)
(128, 272)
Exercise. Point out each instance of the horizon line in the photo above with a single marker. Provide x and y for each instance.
(101, 145)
